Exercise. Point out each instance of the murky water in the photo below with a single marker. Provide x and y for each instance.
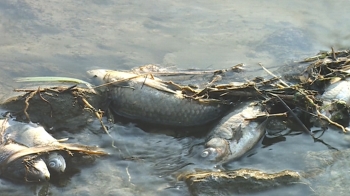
(66, 38)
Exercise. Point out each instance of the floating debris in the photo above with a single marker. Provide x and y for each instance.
(242, 181)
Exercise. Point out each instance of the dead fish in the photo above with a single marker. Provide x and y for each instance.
(31, 135)
(339, 90)
(35, 141)
(336, 100)
(29, 168)
(152, 100)
(234, 135)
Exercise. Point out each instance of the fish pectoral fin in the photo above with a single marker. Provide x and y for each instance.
(237, 133)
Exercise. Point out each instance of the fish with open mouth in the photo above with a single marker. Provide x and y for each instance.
(149, 99)
(235, 134)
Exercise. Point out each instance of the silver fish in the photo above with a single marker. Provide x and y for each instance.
(155, 101)
(234, 135)
(23, 147)
(28, 168)
(338, 91)
(32, 135)
(335, 103)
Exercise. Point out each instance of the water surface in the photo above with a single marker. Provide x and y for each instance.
(66, 38)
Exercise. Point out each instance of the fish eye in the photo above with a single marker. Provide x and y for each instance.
(210, 153)
(54, 163)
(205, 153)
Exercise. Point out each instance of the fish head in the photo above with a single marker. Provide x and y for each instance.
(217, 149)
(56, 162)
(39, 171)
(28, 169)
(98, 75)
(102, 76)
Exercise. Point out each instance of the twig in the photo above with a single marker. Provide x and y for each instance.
(31, 95)
(119, 81)
(38, 91)
(333, 54)
(98, 114)
(302, 124)
(69, 88)
(284, 114)
(332, 122)
(285, 84)
(3, 128)
(28, 90)
(144, 82)
(325, 117)
(292, 113)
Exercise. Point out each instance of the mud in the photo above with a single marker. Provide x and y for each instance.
(56, 108)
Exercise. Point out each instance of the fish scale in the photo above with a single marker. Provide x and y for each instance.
(150, 105)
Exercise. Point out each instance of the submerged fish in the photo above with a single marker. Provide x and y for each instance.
(235, 134)
(30, 168)
(154, 101)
